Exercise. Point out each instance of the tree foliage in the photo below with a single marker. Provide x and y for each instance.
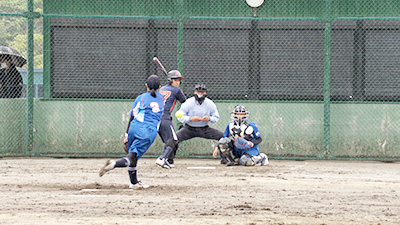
(14, 29)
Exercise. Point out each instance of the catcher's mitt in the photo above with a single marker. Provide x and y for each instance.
(242, 144)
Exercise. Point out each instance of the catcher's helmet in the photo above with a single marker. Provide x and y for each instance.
(174, 74)
(200, 87)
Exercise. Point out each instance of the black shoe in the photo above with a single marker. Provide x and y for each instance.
(170, 161)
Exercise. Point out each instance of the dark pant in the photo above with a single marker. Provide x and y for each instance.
(166, 129)
(187, 132)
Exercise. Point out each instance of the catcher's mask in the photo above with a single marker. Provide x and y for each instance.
(239, 114)
(200, 92)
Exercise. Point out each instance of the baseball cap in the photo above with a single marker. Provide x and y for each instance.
(153, 82)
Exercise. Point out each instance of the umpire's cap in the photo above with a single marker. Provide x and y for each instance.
(174, 74)
(153, 82)
(200, 87)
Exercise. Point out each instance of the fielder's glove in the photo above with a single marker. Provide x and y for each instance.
(242, 144)
(126, 143)
(126, 147)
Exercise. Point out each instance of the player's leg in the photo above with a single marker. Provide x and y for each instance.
(246, 160)
(138, 148)
(132, 171)
(122, 162)
(261, 159)
(171, 155)
(168, 153)
(183, 134)
(212, 133)
(168, 136)
(225, 152)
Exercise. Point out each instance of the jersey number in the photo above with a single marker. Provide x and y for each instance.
(155, 107)
(166, 95)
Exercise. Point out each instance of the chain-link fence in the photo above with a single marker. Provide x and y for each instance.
(318, 77)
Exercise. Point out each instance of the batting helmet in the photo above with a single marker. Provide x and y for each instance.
(174, 74)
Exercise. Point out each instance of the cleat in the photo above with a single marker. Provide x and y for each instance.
(249, 163)
(138, 185)
(110, 164)
(264, 160)
(171, 163)
(163, 163)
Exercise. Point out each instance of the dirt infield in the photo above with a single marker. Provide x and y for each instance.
(69, 191)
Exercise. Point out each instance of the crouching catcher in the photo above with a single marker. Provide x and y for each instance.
(240, 142)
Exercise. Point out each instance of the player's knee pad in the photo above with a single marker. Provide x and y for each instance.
(223, 144)
(132, 159)
(246, 160)
(225, 151)
(228, 156)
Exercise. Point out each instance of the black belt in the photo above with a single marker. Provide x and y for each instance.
(196, 127)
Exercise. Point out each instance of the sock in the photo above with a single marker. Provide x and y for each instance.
(122, 162)
(132, 175)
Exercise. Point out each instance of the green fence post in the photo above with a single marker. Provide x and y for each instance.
(180, 32)
(180, 46)
(46, 57)
(327, 77)
(29, 96)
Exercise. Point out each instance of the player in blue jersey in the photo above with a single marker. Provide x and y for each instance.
(172, 93)
(240, 142)
(142, 130)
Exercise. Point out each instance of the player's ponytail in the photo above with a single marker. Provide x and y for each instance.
(153, 93)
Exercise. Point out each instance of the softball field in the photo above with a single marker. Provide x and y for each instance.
(199, 191)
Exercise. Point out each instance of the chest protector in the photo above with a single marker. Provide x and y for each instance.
(241, 130)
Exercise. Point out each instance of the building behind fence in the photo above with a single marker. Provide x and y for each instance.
(320, 78)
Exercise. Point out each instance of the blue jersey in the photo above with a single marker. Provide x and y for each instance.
(171, 94)
(231, 128)
(148, 109)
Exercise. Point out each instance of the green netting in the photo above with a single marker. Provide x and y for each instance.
(320, 78)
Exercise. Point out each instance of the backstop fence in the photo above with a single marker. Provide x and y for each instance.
(320, 78)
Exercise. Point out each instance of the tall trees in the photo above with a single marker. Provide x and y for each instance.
(14, 29)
